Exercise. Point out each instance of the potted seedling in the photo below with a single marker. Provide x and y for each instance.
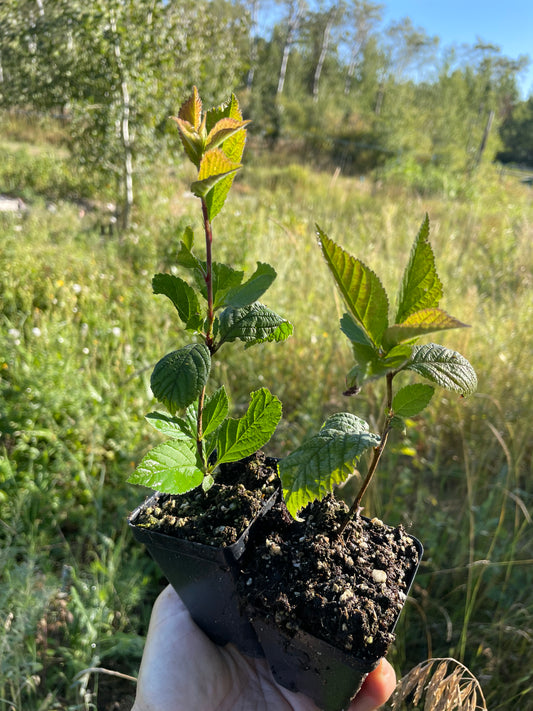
(209, 483)
(324, 591)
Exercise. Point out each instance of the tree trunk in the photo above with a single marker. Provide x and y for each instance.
(351, 67)
(294, 24)
(127, 143)
(253, 44)
(323, 52)
(485, 137)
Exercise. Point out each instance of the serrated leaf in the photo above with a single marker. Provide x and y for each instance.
(398, 423)
(444, 367)
(420, 323)
(174, 427)
(239, 438)
(215, 166)
(229, 109)
(355, 332)
(178, 378)
(225, 280)
(371, 363)
(171, 468)
(222, 131)
(191, 141)
(191, 110)
(412, 399)
(361, 289)
(233, 147)
(185, 258)
(421, 287)
(253, 288)
(324, 461)
(215, 411)
(182, 296)
(252, 324)
(344, 422)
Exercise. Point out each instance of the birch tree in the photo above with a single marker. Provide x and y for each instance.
(294, 17)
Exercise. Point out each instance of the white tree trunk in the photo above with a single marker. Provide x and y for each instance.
(323, 52)
(294, 24)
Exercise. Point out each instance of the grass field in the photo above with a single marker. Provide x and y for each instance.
(80, 331)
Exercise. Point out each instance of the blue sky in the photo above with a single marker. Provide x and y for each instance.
(506, 23)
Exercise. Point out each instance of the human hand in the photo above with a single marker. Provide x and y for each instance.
(182, 670)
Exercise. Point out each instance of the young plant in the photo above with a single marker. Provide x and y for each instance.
(381, 349)
(216, 307)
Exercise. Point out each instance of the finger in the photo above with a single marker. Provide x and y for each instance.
(376, 689)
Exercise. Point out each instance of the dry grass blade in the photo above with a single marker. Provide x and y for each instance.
(439, 688)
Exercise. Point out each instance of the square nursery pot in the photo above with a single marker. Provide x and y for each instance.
(204, 576)
(304, 663)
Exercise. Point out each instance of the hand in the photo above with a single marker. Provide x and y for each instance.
(182, 670)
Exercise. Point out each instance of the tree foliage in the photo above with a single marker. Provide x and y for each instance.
(329, 74)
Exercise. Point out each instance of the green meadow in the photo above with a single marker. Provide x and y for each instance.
(81, 330)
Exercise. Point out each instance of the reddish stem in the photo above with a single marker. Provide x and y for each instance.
(355, 508)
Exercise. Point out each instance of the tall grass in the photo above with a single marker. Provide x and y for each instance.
(80, 331)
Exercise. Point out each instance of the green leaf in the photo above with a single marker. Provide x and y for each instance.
(192, 143)
(420, 323)
(225, 279)
(253, 288)
(233, 147)
(444, 367)
(371, 363)
(182, 296)
(229, 109)
(174, 427)
(361, 289)
(324, 461)
(421, 287)
(186, 258)
(252, 324)
(171, 468)
(215, 166)
(240, 438)
(215, 411)
(222, 131)
(412, 399)
(178, 378)
(191, 110)
(355, 332)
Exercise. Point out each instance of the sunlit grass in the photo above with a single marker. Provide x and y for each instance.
(81, 330)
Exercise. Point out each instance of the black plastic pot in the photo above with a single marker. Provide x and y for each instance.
(307, 664)
(311, 666)
(204, 577)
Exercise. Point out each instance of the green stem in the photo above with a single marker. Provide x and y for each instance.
(355, 508)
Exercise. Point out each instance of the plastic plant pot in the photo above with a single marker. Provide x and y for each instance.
(304, 663)
(204, 577)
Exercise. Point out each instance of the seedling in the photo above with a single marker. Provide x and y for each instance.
(381, 350)
(216, 306)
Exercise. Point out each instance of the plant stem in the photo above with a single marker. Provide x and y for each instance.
(355, 508)
(210, 318)
(208, 276)
(199, 430)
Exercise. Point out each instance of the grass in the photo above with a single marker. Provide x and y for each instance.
(80, 331)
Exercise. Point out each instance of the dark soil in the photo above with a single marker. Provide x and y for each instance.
(347, 591)
(219, 516)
